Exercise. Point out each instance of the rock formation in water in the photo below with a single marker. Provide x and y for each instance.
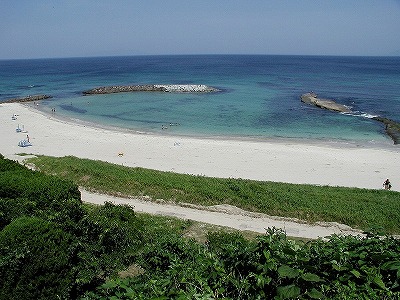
(392, 128)
(312, 98)
(171, 88)
(28, 98)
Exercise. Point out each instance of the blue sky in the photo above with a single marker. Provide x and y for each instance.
(56, 28)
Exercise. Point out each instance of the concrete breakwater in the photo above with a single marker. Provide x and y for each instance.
(170, 88)
(392, 128)
(28, 98)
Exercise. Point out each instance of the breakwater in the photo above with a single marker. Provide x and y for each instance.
(392, 128)
(27, 98)
(169, 88)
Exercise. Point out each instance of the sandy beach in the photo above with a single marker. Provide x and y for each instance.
(268, 160)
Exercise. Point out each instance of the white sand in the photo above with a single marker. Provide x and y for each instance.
(335, 165)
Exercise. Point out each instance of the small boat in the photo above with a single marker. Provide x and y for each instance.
(18, 129)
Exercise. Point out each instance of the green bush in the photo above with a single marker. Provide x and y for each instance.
(16, 181)
(9, 165)
(30, 193)
(40, 213)
(274, 267)
(105, 237)
(36, 261)
(38, 187)
(11, 209)
(109, 236)
(111, 228)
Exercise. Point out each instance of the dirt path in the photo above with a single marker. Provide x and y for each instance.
(226, 215)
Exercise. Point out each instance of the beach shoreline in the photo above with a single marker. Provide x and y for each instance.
(335, 143)
(334, 163)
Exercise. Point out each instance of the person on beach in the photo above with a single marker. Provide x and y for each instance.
(387, 185)
(27, 137)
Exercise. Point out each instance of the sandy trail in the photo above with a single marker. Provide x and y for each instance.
(228, 216)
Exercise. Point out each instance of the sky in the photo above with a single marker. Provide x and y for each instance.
(82, 28)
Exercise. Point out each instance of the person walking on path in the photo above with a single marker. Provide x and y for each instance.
(387, 185)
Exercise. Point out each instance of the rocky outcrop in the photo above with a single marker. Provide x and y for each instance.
(171, 88)
(312, 98)
(392, 128)
(28, 98)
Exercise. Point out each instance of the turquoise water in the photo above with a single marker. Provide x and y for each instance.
(260, 95)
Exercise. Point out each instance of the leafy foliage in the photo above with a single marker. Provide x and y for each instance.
(273, 267)
(108, 236)
(100, 240)
(35, 260)
(27, 192)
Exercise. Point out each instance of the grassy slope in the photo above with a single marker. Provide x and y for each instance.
(360, 208)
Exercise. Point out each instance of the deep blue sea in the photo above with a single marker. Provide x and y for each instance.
(260, 95)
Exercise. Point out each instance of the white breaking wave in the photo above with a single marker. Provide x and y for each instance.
(192, 88)
(360, 114)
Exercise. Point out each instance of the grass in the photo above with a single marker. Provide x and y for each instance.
(359, 208)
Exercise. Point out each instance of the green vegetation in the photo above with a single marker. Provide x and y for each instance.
(273, 267)
(35, 260)
(360, 208)
(52, 246)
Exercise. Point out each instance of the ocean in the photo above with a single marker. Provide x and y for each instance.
(259, 98)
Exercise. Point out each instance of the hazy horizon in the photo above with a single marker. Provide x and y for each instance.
(76, 28)
(222, 54)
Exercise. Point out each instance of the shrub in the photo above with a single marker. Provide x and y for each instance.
(50, 245)
(109, 236)
(112, 228)
(16, 181)
(9, 165)
(35, 261)
(38, 187)
(11, 209)
(24, 192)
(274, 267)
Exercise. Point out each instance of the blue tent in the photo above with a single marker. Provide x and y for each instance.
(24, 143)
